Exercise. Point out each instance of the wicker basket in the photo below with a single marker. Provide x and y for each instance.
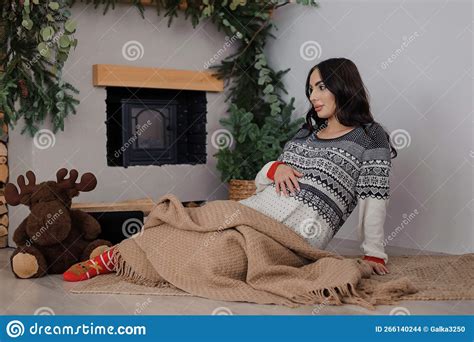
(241, 189)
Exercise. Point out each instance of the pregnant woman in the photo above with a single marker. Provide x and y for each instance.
(324, 171)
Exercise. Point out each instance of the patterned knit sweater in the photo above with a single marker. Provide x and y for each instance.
(339, 173)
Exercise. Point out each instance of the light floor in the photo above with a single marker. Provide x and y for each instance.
(51, 294)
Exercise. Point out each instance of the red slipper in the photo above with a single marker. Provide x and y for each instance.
(101, 264)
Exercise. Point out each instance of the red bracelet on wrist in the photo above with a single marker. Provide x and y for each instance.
(272, 169)
(375, 259)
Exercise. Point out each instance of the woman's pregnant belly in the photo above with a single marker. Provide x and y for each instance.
(300, 217)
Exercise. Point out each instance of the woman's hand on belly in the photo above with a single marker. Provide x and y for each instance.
(286, 176)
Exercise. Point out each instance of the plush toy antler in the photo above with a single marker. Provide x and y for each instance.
(88, 181)
(11, 192)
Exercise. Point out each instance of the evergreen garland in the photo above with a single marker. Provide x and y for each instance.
(35, 39)
(259, 120)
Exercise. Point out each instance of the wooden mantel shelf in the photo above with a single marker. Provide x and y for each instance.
(110, 75)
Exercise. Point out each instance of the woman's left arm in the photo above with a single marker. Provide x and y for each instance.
(372, 192)
(372, 213)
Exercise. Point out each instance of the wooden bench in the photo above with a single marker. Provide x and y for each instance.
(145, 205)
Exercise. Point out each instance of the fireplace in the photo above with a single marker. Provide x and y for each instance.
(155, 126)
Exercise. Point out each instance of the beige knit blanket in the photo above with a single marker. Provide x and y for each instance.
(225, 250)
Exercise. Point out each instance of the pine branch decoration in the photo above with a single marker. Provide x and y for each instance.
(38, 35)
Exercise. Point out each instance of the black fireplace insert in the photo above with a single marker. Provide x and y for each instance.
(155, 126)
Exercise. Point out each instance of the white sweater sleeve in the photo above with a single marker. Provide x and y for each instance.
(261, 180)
(372, 213)
(373, 193)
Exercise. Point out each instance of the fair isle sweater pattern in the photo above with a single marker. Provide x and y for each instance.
(338, 172)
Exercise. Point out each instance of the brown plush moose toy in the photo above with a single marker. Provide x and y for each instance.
(53, 237)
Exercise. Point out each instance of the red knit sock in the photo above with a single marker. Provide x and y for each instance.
(84, 270)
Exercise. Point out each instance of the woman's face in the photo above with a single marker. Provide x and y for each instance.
(323, 100)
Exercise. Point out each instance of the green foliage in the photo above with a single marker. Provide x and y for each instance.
(259, 119)
(110, 4)
(254, 145)
(37, 37)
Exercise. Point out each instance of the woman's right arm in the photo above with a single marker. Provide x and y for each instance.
(265, 175)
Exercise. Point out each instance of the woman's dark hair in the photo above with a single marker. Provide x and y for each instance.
(342, 79)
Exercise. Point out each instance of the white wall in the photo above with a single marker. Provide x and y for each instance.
(426, 90)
